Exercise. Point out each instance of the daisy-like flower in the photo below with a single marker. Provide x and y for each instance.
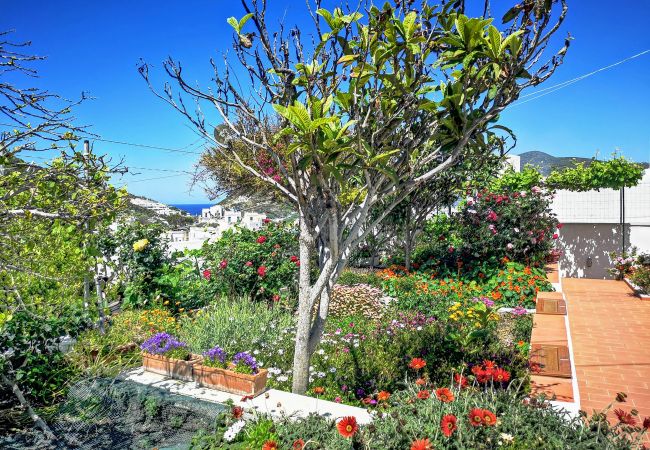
(424, 394)
(318, 390)
(475, 417)
(261, 239)
(383, 396)
(270, 445)
(646, 423)
(347, 426)
(421, 444)
(460, 380)
(420, 382)
(417, 363)
(489, 418)
(448, 424)
(501, 375)
(237, 412)
(445, 395)
(625, 417)
(298, 444)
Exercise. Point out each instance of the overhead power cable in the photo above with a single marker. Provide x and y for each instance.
(154, 147)
(550, 89)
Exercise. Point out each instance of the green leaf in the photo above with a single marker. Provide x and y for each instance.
(233, 23)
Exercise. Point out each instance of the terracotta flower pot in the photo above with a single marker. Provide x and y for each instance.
(229, 381)
(173, 368)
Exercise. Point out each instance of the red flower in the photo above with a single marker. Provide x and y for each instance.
(423, 394)
(383, 396)
(266, 220)
(261, 271)
(237, 412)
(445, 395)
(448, 424)
(270, 445)
(298, 444)
(555, 235)
(297, 263)
(223, 264)
(476, 417)
(421, 444)
(460, 380)
(276, 298)
(489, 365)
(489, 418)
(249, 263)
(420, 382)
(347, 426)
(501, 376)
(207, 274)
(293, 258)
(559, 226)
(482, 376)
(625, 417)
(246, 398)
(261, 239)
(646, 423)
(417, 363)
(492, 216)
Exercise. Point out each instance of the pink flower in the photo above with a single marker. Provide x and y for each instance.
(261, 239)
(492, 216)
(223, 264)
(451, 249)
(536, 189)
(559, 226)
(293, 258)
(261, 271)
(510, 246)
(266, 220)
(207, 274)
(276, 298)
(249, 263)
(555, 236)
(492, 228)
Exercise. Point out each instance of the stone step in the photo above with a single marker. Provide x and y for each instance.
(549, 346)
(550, 303)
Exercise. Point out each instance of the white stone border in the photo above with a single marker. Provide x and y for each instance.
(273, 402)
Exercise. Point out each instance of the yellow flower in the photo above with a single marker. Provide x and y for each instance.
(181, 310)
(140, 245)
(166, 302)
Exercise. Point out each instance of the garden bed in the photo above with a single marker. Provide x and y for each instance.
(643, 295)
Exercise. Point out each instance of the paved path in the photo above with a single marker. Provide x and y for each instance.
(610, 331)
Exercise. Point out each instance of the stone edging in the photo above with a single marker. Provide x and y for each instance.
(637, 290)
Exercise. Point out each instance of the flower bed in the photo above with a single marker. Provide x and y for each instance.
(165, 355)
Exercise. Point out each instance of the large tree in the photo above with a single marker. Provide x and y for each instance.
(377, 103)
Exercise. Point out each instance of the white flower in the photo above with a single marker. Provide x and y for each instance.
(280, 352)
(232, 432)
(471, 211)
(516, 230)
(283, 378)
(256, 352)
(332, 369)
(321, 352)
(320, 374)
(507, 438)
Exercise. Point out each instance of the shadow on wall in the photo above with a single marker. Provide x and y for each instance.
(586, 248)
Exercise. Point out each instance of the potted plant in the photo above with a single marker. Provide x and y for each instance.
(240, 376)
(166, 355)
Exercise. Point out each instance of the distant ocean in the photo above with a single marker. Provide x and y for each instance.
(194, 208)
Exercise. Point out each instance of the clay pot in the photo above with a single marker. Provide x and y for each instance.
(172, 368)
(230, 381)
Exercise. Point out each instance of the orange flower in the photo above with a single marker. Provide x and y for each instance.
(501, 375)
(417, 363)
(318, 390)
(527, 270)
(476, 417)
(448, 424)
(423, 394)
(420, 382)
(445, 395)
(298, 444)
(347, 426)
(421, 444)
(496, 295)
(383, 396)
(489, 418)
(270, 445)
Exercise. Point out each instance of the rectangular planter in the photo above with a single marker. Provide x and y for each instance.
(229, 381)
(173, 368)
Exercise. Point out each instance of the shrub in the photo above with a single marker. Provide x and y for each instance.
(641, 277)
(359, 299)
(352, 277)
(261, 264)
(234, 325)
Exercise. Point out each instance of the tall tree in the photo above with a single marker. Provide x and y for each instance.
(382, 102)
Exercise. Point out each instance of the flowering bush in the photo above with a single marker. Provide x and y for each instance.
(166, 345)
(262, 264)
(641, 277)
(519, 226)
(623, 264)
(357, 300)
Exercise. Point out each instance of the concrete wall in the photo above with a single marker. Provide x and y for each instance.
(584, 243)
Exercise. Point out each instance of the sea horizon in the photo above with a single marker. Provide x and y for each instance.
(193, 209)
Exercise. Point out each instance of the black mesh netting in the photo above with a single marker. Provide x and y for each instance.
(118, 414)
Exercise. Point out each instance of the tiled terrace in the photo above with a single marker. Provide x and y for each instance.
(610, 333)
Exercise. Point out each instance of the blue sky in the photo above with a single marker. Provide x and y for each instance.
(95, 47)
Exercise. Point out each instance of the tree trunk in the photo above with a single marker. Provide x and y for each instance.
(25, 404)
(301, 352)
(407, 241)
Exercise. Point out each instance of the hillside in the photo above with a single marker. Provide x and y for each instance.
(146, 210)
(261, 204)
(545, 163)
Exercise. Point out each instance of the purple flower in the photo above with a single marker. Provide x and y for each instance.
(216, 355)
(245, 361)
(519, 310)
(161, 343)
